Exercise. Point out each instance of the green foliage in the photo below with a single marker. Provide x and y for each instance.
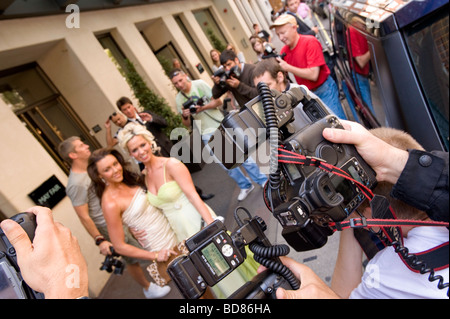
(165, 63)
(151, 101)
(215, 41)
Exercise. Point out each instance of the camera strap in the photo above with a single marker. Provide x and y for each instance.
(436, 258)
(285, 156)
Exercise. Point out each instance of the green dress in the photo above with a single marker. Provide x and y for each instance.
(186, 221)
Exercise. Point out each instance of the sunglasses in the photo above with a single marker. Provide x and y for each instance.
(111, 116)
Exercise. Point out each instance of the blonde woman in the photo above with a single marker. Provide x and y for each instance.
(215, 57)
(170, 188)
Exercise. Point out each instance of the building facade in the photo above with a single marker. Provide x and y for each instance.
(60, 76)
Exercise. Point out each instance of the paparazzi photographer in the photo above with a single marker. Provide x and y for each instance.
(305, 60)
(392, 165)
(386, 275)
(199, 92)
(241, 86)
(209, 118)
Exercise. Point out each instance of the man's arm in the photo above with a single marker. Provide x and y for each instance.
(311, 74)
(246, 90)
(348, 269)
(207, 91)
(428, 171)
(363, 59)
(110, 140)
(218, 91)
(83, 214)
(153, 118)
(186, 118)
(213, 104)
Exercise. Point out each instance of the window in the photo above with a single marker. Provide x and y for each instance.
(113, 51)
(206, 21)
(428, 46)
(193, 44)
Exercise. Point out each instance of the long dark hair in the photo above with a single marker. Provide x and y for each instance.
(129, 178)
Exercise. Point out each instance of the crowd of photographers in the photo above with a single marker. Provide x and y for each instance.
(408, 174)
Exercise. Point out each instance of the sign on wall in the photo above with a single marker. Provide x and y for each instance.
(49, 193)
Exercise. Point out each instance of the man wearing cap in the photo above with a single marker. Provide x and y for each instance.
(304, 59)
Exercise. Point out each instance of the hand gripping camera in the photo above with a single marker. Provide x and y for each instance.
(112, 263)
(12, 285)
(312, 181)
(214, 253)
(191, 103)
(224, 75)
(270, 52)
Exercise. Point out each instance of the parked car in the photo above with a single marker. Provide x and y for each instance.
(409, 64)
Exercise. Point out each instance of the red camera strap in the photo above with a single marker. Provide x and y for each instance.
(435, 258)
(288, 157)
(369, 223)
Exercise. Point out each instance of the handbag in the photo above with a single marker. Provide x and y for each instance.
(158, 269)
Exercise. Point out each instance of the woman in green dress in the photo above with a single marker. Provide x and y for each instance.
(171, 189)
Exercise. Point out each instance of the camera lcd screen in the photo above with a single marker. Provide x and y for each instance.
(259, 111)
(354, 173)
(293, 171)
(215, 259)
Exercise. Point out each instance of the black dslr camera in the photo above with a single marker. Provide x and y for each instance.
(270, 52)
(12, 285)
(113, 263)
(191, 103)
(303, 198)
(224, 75)
(214, 254)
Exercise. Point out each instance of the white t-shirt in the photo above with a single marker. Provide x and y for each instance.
(387, 277)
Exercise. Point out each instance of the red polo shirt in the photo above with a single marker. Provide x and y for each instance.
(359, 46)
(307, 54)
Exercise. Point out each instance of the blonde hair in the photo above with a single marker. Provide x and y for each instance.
(133, 129)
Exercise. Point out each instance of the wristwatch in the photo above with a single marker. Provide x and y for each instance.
(99, 239)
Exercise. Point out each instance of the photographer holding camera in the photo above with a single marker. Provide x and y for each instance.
(238, 79)
(210, 118)
(305, 60)
(194, 101)
(396, 161)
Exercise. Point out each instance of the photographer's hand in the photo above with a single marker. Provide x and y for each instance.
(312, 287)
(233, 82)
(105, 248)
(283, 64)
(186, 117)
(215, 79)
(53, 263)
(387, 161)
